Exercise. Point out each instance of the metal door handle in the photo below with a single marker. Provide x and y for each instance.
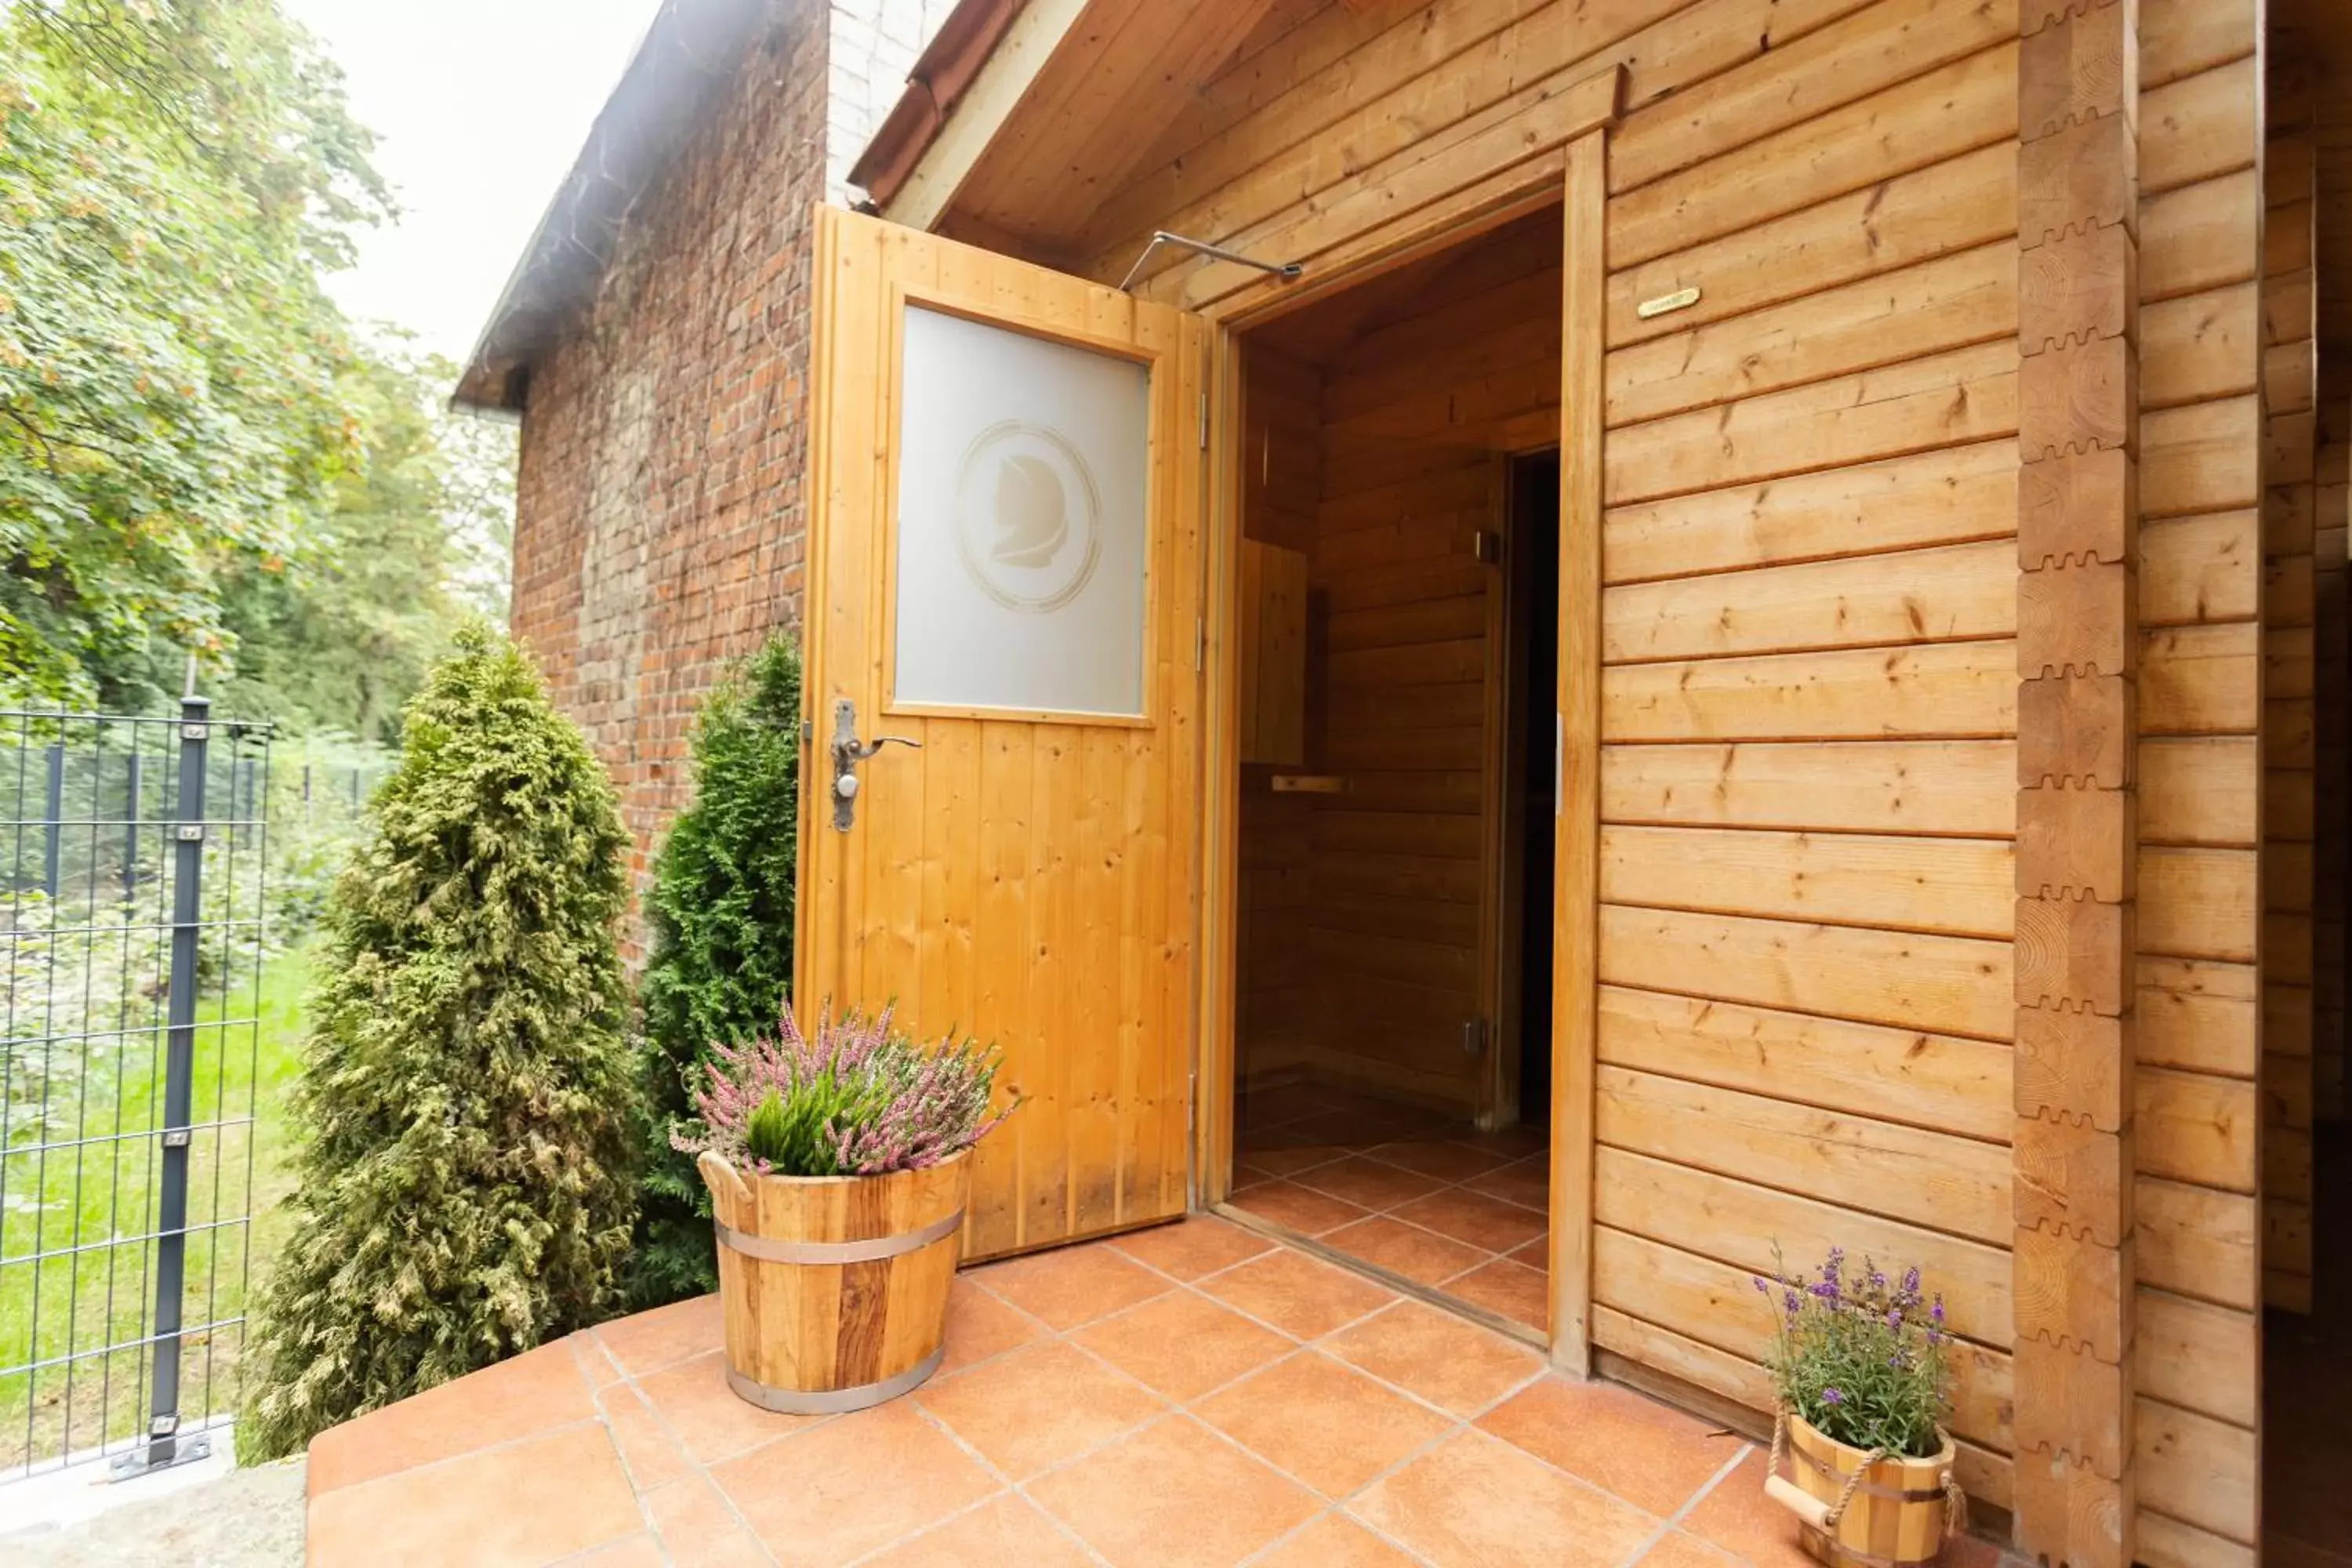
(848, 751)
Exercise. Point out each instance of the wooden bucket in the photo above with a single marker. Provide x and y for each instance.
(1900, 1511)
(836, 1287)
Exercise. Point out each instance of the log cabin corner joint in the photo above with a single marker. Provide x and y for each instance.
(2076, 836)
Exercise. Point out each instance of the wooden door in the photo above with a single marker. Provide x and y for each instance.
(1023, 600)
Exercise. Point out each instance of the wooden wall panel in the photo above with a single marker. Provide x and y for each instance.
(2332, 685)
(2290, 394)
(1810, 701)
(1815, 624)
(2204, 591)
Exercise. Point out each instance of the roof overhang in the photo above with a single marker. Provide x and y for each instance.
(690, 52)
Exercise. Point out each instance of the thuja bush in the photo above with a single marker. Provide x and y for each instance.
(1860, 1354)
(721, 918)
(859, 1099)
(466, 1179)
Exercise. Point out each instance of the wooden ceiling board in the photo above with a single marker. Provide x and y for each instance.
(1394, 67)
(1321, 34)
(1128, 66)
(1360, 320)
(2323, 29)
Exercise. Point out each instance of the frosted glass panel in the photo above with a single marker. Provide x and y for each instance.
(1022, 490)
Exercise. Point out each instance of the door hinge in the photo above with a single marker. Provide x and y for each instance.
(1487, 546)
(1204, 421)
(1199, 644)
(1474, 1036)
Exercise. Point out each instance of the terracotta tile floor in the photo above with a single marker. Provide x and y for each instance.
(1189, 1396)
(1437, 1201)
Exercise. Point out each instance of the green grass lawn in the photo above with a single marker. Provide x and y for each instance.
(66, 1309)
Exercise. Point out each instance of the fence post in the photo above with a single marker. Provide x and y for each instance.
(134, 793)
(163, 1446)
(53, 856)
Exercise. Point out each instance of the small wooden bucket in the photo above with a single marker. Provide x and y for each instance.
(836, 1287)
(1900, 1511)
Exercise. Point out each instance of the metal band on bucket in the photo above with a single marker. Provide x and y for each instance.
(833, 1401)
(768, 1251)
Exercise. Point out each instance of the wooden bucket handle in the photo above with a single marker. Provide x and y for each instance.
(1826, 1516)
(1808, 1509)
(729, 1194)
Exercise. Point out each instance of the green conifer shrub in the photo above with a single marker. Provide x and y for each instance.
(720, 913)
(467, 1180)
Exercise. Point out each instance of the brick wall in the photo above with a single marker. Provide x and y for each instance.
(660, 514)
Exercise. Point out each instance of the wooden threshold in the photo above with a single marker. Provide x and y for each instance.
(1526, 1334)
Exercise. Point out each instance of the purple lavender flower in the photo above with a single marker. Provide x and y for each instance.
(1832, 1396)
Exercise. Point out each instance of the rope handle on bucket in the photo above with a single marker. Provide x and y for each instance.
(1826, 1518)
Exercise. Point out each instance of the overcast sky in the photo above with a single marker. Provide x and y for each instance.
(479, 107)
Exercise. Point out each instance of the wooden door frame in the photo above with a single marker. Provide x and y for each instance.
(1574, 176)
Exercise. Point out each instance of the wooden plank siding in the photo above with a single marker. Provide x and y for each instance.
(1812, 490)
(2203, 590)
(1809, 684)
(1808, 625)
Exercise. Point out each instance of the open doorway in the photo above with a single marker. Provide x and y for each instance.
(1397, 625)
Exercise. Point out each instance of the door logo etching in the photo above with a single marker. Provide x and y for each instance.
(1028, 517)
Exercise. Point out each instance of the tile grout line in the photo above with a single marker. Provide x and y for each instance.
(1397, 1298)
(1462, 1423)
(1457, 1425)
(1298, 1178)
(1689, 1503)
(701, 1466)
(1011, 1487)
(628, 1470)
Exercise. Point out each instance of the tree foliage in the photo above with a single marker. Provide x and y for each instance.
(175, 175)
(467, 1182)
(414, 542)
(721, 911)
(196, 451)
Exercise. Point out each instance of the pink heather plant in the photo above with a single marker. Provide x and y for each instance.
(856, 1100)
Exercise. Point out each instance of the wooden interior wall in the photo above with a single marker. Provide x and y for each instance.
(2202, 728)
(2332, 693)
(1417, 414)
(1275, 996)
(1810, 780)
(2290, 501)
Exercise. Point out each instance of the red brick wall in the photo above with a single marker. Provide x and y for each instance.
(659, 515)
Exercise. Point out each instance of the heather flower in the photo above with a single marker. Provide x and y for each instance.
(858, 1100)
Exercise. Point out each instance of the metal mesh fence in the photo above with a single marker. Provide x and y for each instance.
(134, 890)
